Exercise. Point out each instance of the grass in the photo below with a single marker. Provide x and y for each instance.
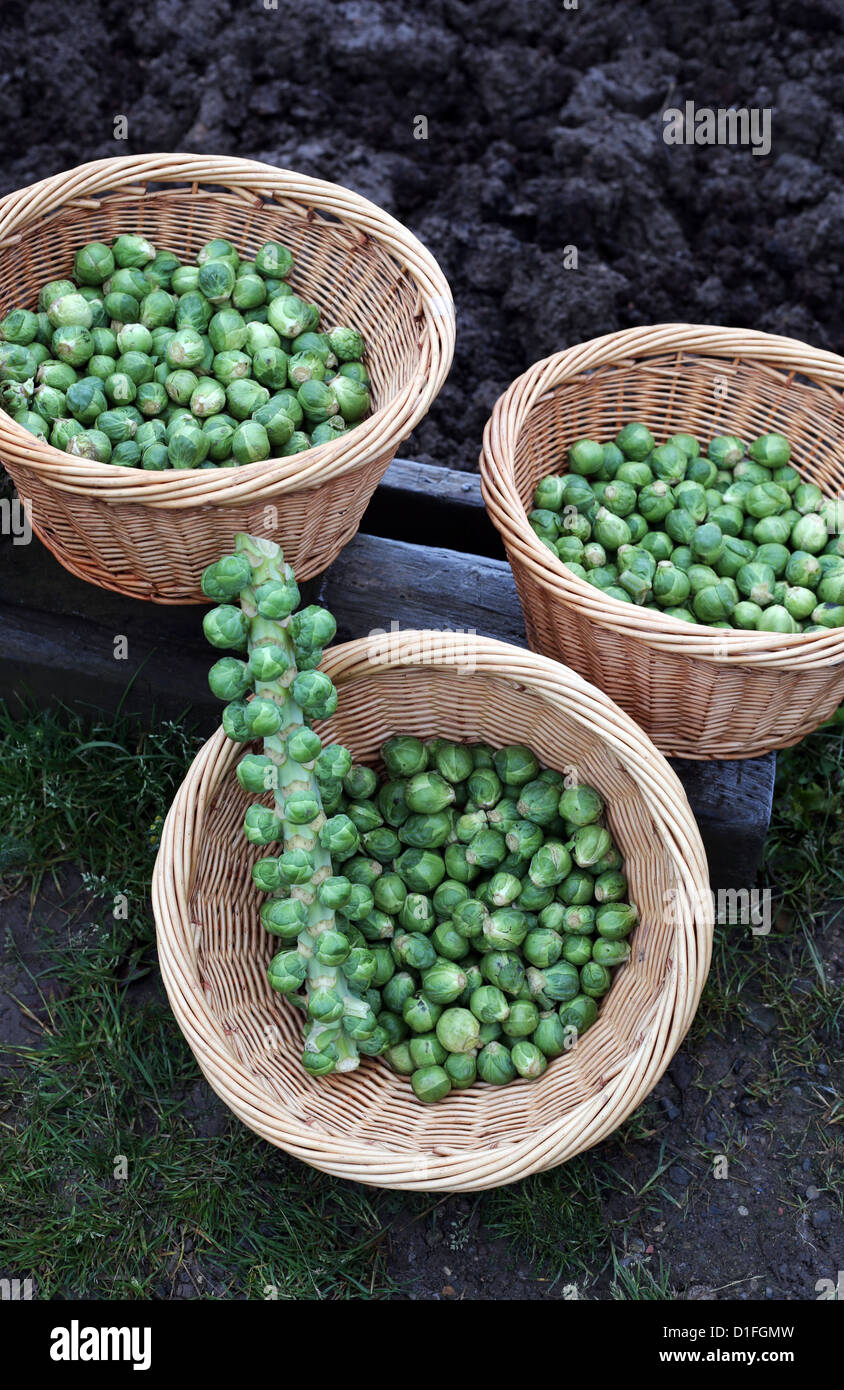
(120, 1176)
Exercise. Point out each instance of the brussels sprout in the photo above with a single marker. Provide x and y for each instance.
(229, 678)
(580, 918)
(757, 582)
(595, 979)
(543, 947)
(426, 1050)
(746, 615)
(21, 327)
(121, 307)
(156, 456)
(216, 280)
(550, 1036)
(131, 251)
(585, 457)
(250, 442)
(495, 1065)
(245, 397)
(577, 950)
(289, 315)
(707, 543)
(559, 982)
(680, 526)
(671, 586)
(810, 533)
(668, 463)
(273, 261)
(725, 450)
(120, 388)
(736, 554)
(420, 1013)
(714, 604)
(656, 500)
(777, 618)
(91, 444)
(346, 344)
(34, 423)
(72, 344)
(770, 450)
(528, 1060)
(828, 615)
(70, 310)
(549, 494)
(729, 517)
(430, 1084)
(830, 590)
(248, 291)
(276, 421)
(284, 917)
(505, 970)
(807, 498)
(286, 971)
(610, 531)
(444, 982)
(505, 929)
(577, 889)
(589, 844)
(186, 348)
(801, 603)
(53, 290)
(399, 1058)
(579, 1013)
(353, 398)
(426, 831)
(616, 920)
(766, 499)
(355, 371)
(635, 441)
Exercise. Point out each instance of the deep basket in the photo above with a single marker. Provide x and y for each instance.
(368, 1126)
(149, 535)
(698, 692)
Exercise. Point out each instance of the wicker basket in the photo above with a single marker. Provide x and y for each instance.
(368, 1126)
(698, 692)
(149, 535)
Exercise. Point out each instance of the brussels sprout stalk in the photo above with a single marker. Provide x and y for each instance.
(295, 781)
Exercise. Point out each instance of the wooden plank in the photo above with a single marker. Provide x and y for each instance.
(426, 505)
(375, 582)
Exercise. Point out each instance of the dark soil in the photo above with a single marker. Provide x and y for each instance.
(544, 131)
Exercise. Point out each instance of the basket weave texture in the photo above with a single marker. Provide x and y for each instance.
(698, 692)
(368, 1126)
(148, 534)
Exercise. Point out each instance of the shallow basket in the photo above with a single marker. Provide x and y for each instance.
(148, 534)
(367, 1125)
(699, 692)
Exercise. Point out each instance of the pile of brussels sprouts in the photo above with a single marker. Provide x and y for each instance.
(460, 914)
(493, 902)
(143, 361)
(732, 538)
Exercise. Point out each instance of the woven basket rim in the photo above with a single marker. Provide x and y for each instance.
(655, 1040)
(176, 488)
(508, 419)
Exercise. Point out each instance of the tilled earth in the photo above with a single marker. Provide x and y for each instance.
(544, 132)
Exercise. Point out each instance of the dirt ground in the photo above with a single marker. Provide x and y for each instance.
(544, 131)
(727, 1179)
